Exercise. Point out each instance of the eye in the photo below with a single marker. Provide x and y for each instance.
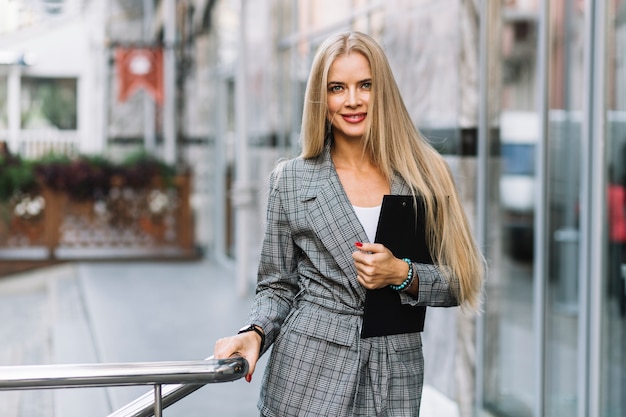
(335, 88)
(367, 85)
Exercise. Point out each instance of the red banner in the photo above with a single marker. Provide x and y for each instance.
(140, 68)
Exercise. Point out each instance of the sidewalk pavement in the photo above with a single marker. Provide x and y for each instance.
(130, 312)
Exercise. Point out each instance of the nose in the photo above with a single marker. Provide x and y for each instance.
(353, 98)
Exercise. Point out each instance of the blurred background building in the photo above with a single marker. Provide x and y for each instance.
(525, 98)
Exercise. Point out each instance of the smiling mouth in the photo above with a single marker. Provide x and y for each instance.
(354, 118)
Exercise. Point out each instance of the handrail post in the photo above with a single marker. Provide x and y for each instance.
(158, 401)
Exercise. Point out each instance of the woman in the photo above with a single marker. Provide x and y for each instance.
(318, 261)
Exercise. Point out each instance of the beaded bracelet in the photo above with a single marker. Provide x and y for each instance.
(409, 278)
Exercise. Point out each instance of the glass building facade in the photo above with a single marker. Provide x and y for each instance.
(527, 99)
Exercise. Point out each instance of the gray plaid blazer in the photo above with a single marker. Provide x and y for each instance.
(310, 305)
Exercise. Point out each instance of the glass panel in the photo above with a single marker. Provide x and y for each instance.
(509, 344)
(49, 103)
(566, 103)
(613, 359)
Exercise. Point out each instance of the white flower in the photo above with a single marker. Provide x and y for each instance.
(157, 201)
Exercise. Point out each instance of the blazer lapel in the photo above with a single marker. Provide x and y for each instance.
(398, 186)
(330, 213)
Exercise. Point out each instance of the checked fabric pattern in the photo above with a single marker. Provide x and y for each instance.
(310, 305)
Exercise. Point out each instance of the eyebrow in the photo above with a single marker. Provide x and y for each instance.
(342, 83)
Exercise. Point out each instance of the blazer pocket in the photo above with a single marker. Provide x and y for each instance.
(338, 329)
(406, 341)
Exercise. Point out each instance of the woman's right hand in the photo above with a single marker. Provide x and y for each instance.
(247, 345)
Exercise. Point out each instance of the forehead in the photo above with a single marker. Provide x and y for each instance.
(348, 66)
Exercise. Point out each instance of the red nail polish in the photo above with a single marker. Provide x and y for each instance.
(358, 244)
(248, 378)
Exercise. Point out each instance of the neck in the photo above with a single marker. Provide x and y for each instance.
(350, 155)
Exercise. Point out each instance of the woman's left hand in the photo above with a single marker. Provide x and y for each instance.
(377, 267)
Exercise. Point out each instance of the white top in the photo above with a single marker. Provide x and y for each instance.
(368, 216)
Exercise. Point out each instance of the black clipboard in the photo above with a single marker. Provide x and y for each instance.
(401, 228)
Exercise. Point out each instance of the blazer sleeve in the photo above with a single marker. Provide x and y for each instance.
(277, 280)
(434, 289)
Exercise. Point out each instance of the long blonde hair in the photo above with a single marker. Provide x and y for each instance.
(396, 146)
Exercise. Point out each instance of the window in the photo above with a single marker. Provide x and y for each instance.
(49, 103)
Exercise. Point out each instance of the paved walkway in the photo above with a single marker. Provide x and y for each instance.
(129, 312)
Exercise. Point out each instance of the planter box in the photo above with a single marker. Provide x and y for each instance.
(154, 221)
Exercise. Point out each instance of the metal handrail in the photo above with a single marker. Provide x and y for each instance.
(143, 406)
(184, 378)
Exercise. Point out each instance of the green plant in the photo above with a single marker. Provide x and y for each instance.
(86, 177)
(82, 177)
(16, 176)
(140, 168)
